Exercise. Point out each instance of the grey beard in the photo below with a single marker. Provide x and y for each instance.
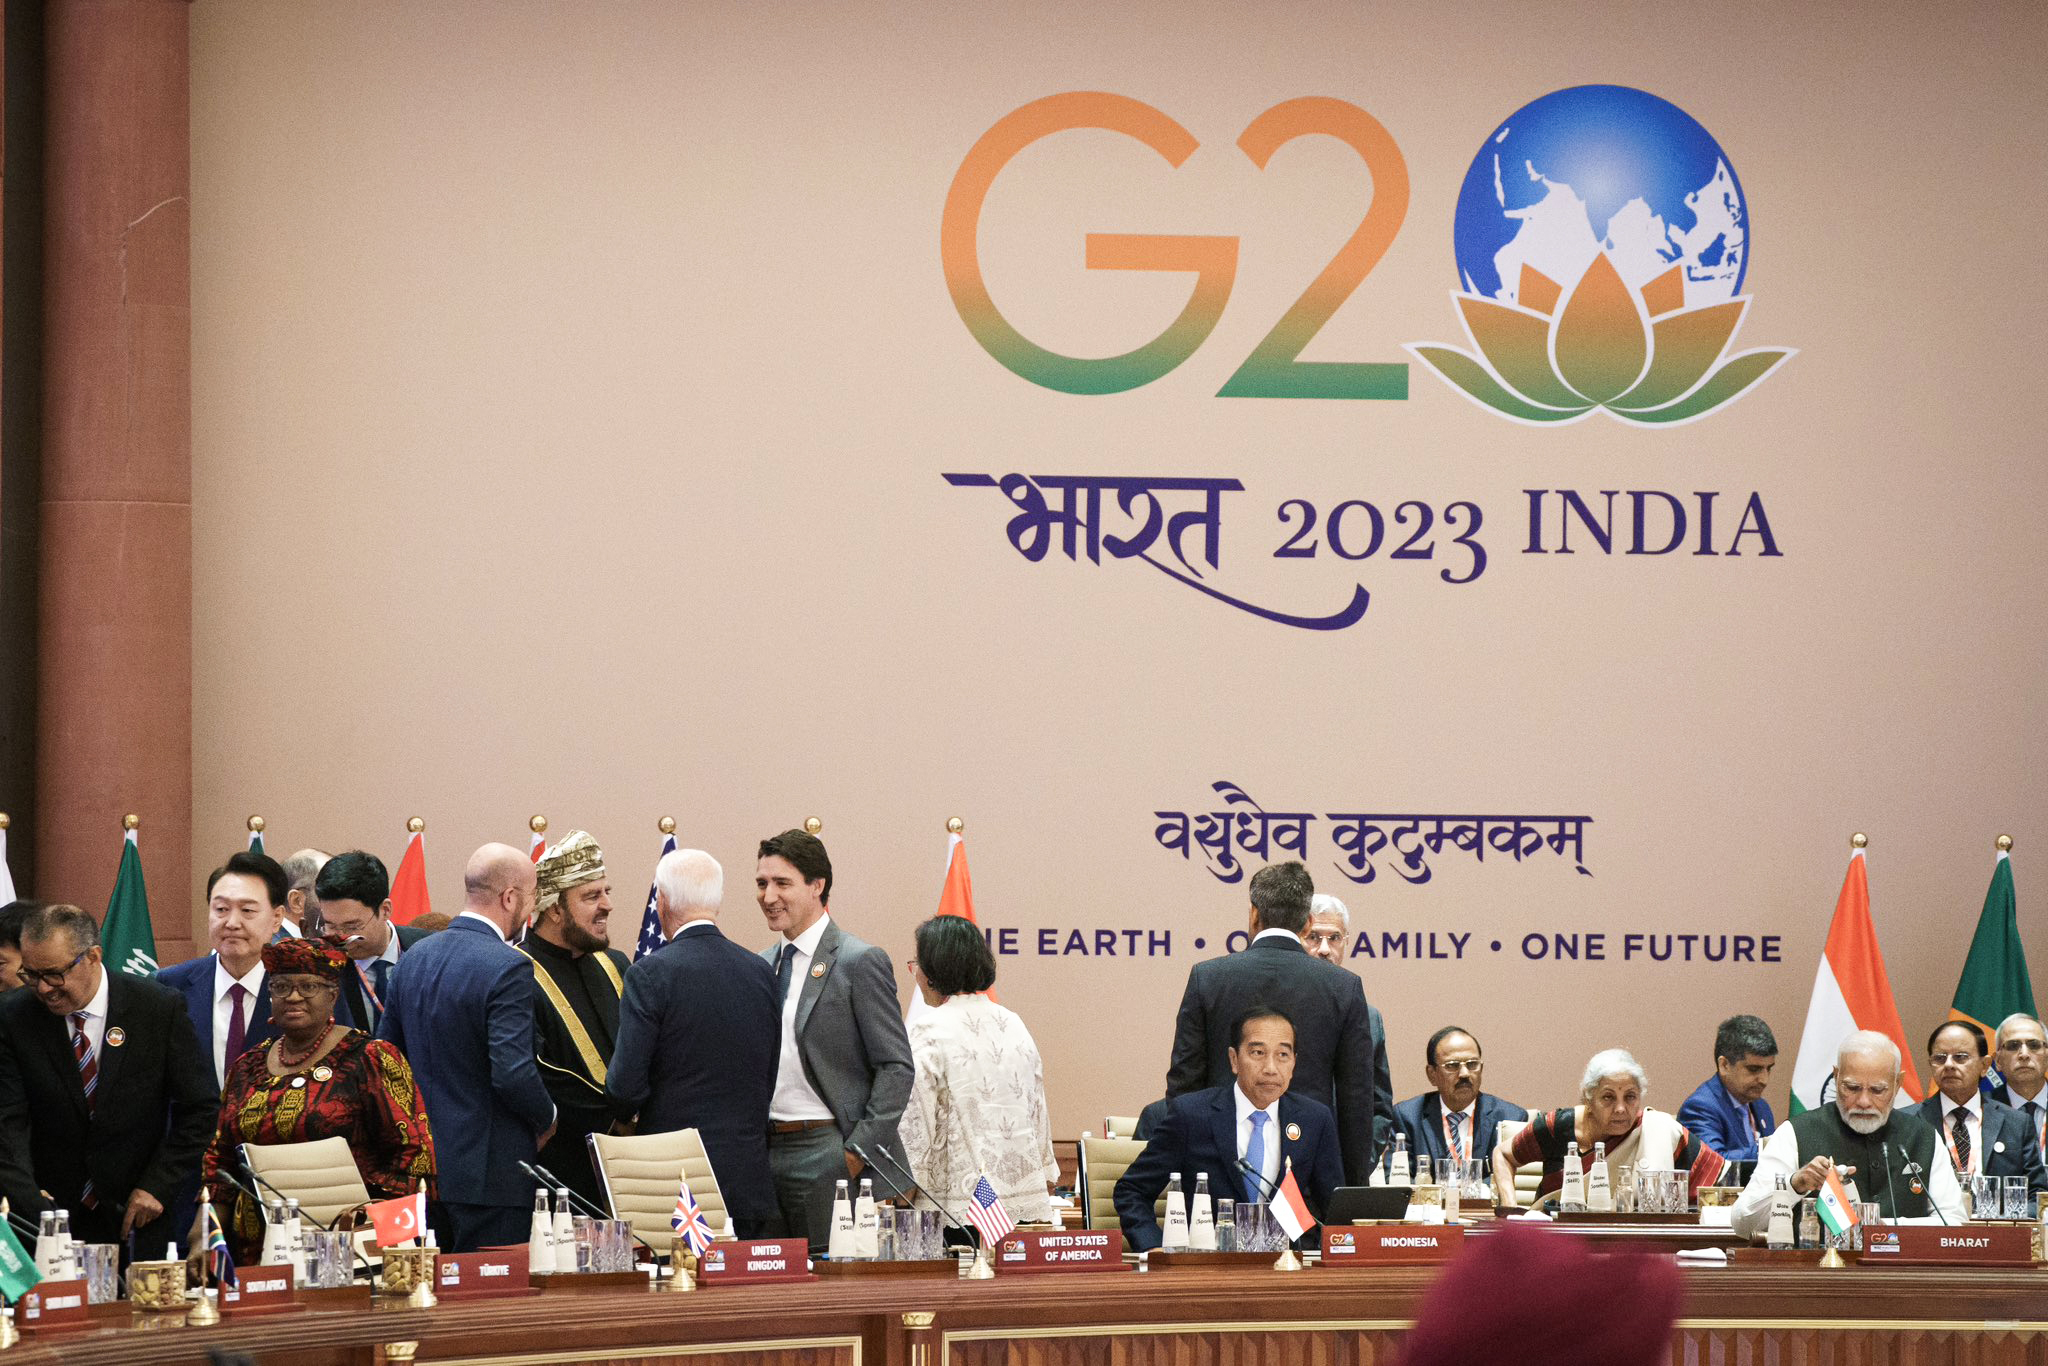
(1865, 1124)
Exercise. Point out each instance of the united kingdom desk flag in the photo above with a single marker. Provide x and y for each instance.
(689, 1222)
(650, 919)
(985, 1211)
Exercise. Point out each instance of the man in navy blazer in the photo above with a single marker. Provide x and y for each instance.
(1728, 1112)
(1453, 1065)
(2022, 1051)
(1984, 1137)
(227, 993)
(352, 893)
(699, 1037)
(460, 1007)
(1253, 1122)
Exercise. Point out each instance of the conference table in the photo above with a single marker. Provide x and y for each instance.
(1186, 1313)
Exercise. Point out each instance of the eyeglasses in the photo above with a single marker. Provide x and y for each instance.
(910, 965)
(50, 977)
(1960, 1059)
(1458, 1065)
(290, 988)
(2016, 1046)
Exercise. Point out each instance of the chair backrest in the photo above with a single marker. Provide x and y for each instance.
(1102, 1162)
(640, 1173)
(1529, 1175)
(321, 1175)
(1119, 1126)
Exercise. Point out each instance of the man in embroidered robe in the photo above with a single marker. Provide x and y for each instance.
(578, 978)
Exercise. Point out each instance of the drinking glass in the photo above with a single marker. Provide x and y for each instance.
(330, 1258)
(2015, 1197)
(931, 1240)
(1677, 1198)
(585, 1257)
(100, 1264)
(1987, 1197)
(1477, 1187)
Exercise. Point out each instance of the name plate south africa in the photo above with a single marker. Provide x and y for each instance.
(755, 1262)
(53, 1304)
(1085, 1249)
(478, 1275)
(1962, 1245)
(259, 1288)
(1390, 1244)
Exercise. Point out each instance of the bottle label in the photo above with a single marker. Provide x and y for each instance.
(1599, 1196)
(1173, 1234)
(1202, 1224)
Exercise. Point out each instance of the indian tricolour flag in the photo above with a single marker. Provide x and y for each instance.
(1850, 992)
(1834, 1205)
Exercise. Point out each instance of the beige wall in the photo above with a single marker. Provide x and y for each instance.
(572, 384)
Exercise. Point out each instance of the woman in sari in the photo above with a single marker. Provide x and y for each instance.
(1610, 1111)
(317, 1080)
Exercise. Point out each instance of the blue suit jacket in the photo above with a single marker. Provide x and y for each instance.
(1199, 1134)
(2010, 1147)
(1711, 1115)
(1422, 1119)
(700, 1037)
(194, 981)
(459, 1005)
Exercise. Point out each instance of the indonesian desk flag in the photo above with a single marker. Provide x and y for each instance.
(409, 898)
(1836, 1209)
(1850, 992)
(692, 1228)
(399, 1221)
(6, 878)
(1289, 1208)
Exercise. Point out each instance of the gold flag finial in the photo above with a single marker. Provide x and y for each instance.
(256, 825)
(131, 821)
(416, 825)
(2004, 842)
(955, 826)
(4, 821)
(666, 825)
(538, 825)
(812, 825)
(1859, 840)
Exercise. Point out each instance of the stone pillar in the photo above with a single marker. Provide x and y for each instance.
(115, 677)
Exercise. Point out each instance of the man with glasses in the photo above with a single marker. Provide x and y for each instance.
(106, 1101)
(1328, 937)
(1457, 1121)
(1728, 1112)
(352, 897)
(2022, 1054)
(1984, 1137)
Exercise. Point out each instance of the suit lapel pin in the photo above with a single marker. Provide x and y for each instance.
(1999, 1146)
(298, 1082)
(323, 1073)
(817, 970)
(1294, 1133)
(116, 1037)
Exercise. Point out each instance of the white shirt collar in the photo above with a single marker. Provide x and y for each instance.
(807, 942)
(97, 1006)
(1283, 934)
(1975, 1107)
(695, 920)
(484, 919)
(251, 981)
(1245, 1107)
(1466, 1112)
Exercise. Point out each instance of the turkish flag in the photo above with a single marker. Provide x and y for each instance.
(399, 1222)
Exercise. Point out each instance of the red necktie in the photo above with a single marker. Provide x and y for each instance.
(238, 1030)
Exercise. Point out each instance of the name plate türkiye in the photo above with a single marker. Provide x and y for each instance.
(1386, 1244)
(1097, 1249)
(755, 1262)
(1963, 1245)
(259, 1288)
(477, 1275)
(53, 1304)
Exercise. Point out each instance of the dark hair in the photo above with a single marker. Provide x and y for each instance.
(1744, 1036)
(353, 876)
(263, 867)
(44, 921)
(804, 852)
(1259, 1013)
(11, 917)
(1281, 893)
(1429, 1049)
(954, 957)
(1983, 1044)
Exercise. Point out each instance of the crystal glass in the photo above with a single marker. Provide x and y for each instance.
(1477, 1187)
(931, 1235)
(1257, 1229)
(1677, 1196)
(2015, 1197)
(100, 1264)
(330, 1259)
(1987, 1197)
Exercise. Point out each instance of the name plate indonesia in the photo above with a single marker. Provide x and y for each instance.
(756, 1262)
(1963, 1245)
(260, 1288)
(52, 1305)
(480, 1275)
(1093, 1249)
(1391, 1244)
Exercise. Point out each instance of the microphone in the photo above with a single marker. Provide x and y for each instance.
(902, 1169)
(542, 1176)
(1258, 1176)
(1893, 1191)
(24, 1225)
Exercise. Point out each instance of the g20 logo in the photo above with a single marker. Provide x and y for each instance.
(1273, 369)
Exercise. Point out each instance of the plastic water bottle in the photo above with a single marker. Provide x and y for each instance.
(540, 1235)
(1398, 1172)
(1778, 1233)
(1173, 1235)
(1202, 1217)
(1572, 1195)
(867, 1224)
(839, 1243)
(1599, 1196)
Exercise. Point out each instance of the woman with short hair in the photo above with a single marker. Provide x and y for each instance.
(1610, 1111)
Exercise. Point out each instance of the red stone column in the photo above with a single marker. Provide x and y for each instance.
(115, 682)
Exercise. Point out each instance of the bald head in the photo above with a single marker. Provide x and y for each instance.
(498, 884)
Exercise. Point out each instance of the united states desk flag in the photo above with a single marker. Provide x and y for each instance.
(17, 1269)
(409, 899)
(217, 1249)
(650, 919)
(126, 938)
(689, 1222)
(1850, 992)
(1994, 982)
(985, 1211)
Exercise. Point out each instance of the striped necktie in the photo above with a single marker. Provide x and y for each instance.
(89, 1078)
(1458, 1136)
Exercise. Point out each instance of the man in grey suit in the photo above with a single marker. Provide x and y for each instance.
(844, 1071)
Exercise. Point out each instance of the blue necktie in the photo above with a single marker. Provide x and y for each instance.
(1255, 1158)
(783, 961)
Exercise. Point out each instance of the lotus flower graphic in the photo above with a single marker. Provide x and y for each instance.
(1603, 238)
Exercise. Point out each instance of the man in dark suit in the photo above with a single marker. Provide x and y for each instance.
(106, 1101)
(352, 898)
(1984, 1137)
(2023, 1061)
(1254, 1122)
(1328, 937)
(460, 1007)
(699, 1031)
(227, 993)
(843, 1070)
(1333, 1054)
(1457, 1119)
(1728, 1111)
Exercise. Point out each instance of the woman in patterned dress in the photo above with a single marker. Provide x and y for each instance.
(317, 1080)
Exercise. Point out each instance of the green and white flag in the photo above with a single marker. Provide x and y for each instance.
(1994, 983)
(17, 1269)
(128, 943)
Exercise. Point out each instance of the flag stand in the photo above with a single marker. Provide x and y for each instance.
(10, 1336)
(980, 1270)
(1290, 1260)
(1831, 1260)
(680, 1278)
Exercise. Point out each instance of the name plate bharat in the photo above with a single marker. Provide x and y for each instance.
(52, 1305)
(1085, 1249)
(755, 1262)
(481, 1275)
(260, 1289)
(1390, 1244)
(1962, 1245)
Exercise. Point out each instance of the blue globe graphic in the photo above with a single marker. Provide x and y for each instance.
(1602, 168)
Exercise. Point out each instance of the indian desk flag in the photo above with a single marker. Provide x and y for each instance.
(409, 899)
(1832, 1201)
(18, 1273)
(650, 919)
(1994, 982)
(6, 878)
(127, 941)
(1850, 992)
